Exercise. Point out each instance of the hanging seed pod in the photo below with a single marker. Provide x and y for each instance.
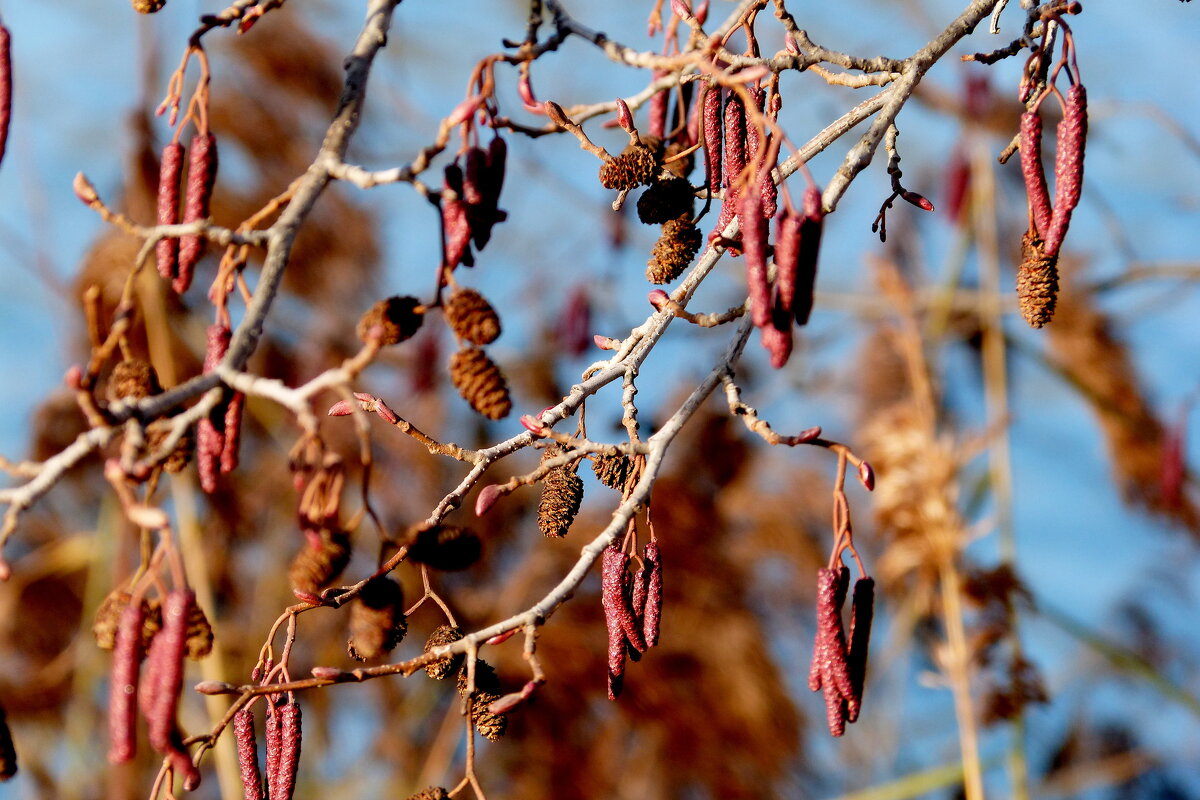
(712, 127)
(132, 379)
(652, 615)
(490, 726)
(809, 251)
(861, 614)
(164, 670)
(634, 166)
(471, 317)
(290, 734)
(665, 200)
(480, 382)
(829, 670)
(1037, 281)
(202, 176)
(170, 171)
(612, 600)
(445, 547)
(1068, 166)
(233, 432)
(247, 753)
(123, 686)
(443, 635)
(430, 793)
(754, 248)
(377, 621)
(5, 88)
(562, 493)
(1033, 172)
(324, 555)
(456, 227)
(199, 633)
(394, 320)
(8, 753)
(674, 251)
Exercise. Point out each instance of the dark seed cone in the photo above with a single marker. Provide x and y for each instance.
(199, 633)
(132, 379)
(1037, 281)
(108, 617)
(247, 754)
(862, 611)
(562, 492)
(613, 471)
(430, 793)
(123, 685)
(202, 176)
(612, 600)
(397, 317)
(8, 753)
(674, 251)
(443, 635)
(290, 735)
(472, 317)
(665, 201)
(377, 621)
(486, 679)
(323, 557)
(480, 382)
(170, 171)
(445, 547)
(636, 165)
(1033, 172)
(490, 726)
(1068, 166)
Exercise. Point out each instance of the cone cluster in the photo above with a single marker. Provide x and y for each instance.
(443, 635)
(674, 251)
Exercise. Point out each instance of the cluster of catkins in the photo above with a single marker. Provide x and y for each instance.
(839, 664)
(218, 435)
(632, 603)
(1037, 276)
(158, 633)
(476, 377)
(177, 257)
(283, 729)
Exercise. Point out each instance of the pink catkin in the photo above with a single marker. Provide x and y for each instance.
(777, 342)
(809, 253)
(830, 671)
(473, 175)
(5, 87)
(233, 432)
(210, 440)
(290, 734)
(123, 687)
(1068, 167)
(787, 257)
(457, 227)
(657, 124)
(1033, 173)
(652, 614)
(202, 176)
(713, 157)
(274, 747)
(861, 613)
(170, 170)
(754, 247)
(164, 670)
(247, 754)
(612, 600)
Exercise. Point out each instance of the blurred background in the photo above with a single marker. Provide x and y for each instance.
(1034, 489)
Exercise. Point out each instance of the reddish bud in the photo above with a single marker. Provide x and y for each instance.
(340, 409)
(624, 116)
(500, 638)
(701, 12)
(328, 673)
(533, 424)
(486, 498)
(658, 298)
(214, 687)
(463, 111)
(528, 99)
(920, 201)
(867, 476)
(680, 9)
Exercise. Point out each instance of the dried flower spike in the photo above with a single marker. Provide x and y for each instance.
(471, 317)
(170, 171)
(480, 382)
(393, 320)
(202, 176)
(1037, 281)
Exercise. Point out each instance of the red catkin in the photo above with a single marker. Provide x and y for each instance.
(247, 753)
(612, 600)
(711, 127)
(809, 251)
(1068, 167)
(1033, 173)
(733, 160)
(164, 670)
(861, 614)
(754, 247)
(170, 170)
(233, 432)
(202, 176)
(290, 733)
(830, 671)
(211, 440)
(455, 224)
(473, 175)
(657, 124)
(123, 688)
(787, 258)
(777, 341)
(5, 87)
(274, 747)
(652, 615)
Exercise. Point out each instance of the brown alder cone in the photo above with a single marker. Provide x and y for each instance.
(199, 633)
(1037, 281)
(202, 176)
(247, 754)
(480, 382)
(490, 726)
(377, 621)
(164, 671)
(444, 668)
(1033, 172)
(666, 200)
(179, 458)
(430, 793)
(123, 685)
(394, 319)
(445, 547)
(148, 6)
(108, 616)
(674, 251)
(132, 379)
(471, 317)
(324, 555)
(613, 470)
(8, 753)
(562, 493)
(1068, 166)
(170, 171)
(634, 166)
(486, 679)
